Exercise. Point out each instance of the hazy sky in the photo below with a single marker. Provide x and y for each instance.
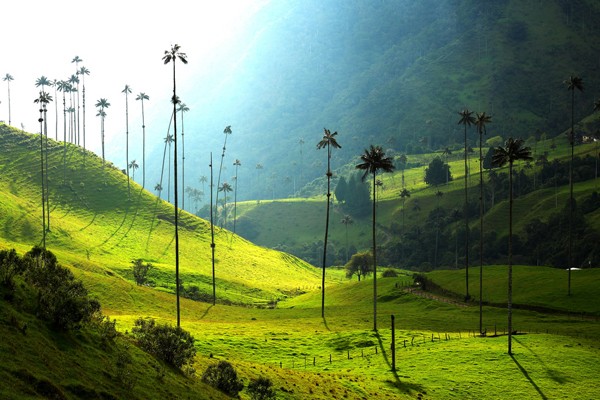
(120, 42)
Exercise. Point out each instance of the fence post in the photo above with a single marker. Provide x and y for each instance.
(394, 344)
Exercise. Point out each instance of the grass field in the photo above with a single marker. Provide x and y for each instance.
(97, 229)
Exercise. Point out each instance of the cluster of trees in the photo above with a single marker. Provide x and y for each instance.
(353, 195)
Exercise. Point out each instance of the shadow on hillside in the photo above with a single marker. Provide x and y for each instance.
(553, 374)
(206, 311)
(404, 387)
(526, 375)
(118, 228)
(152, 223)
(135, 214)
(326, 325)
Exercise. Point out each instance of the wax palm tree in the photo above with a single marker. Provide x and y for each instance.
(182, 109)
(203, 180)
(481, 120)
(133, 165)
(347, 220)
(143, 96)
(43, 100)
(173, 55)
(212, 231)
(83, 71)
(512, 151)
(102, 105)
(54, 84)
(373, 161)
(466, 119)
(158, 188)
(8, 78)
(328, 141)
(573, 83)
(237, 164)
(225, 188)
(127, 90)
(226, 132)
(43, 82)
(77, 60)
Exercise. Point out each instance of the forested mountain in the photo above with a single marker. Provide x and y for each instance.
(393, 73)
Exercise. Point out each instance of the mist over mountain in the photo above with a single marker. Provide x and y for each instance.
(392, 73)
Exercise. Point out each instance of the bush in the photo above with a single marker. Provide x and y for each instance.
(389, 273)
(140, 271)
(174, 346)
(62, 300)
(10, 265)
(261, 389)
(223, 377)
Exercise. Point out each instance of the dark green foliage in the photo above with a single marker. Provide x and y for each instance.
(358, 200)
(389, 273)
(140, 271)
(173, 345)
(261, 389)
(223, 377)
(10, 265)
(341, 190)
(437, 173)
(62, 300)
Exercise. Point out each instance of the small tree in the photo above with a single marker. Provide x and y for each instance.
(173, 345)
(437, 173)
(360, 264)
(140, 271)
(261, 389)
(222, 376)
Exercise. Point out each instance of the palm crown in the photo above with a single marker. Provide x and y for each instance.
(373, 160)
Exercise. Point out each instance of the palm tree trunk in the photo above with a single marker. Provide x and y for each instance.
(182, 163)
(143, 146)
(374, 258)
(466, 211)
(480, 233)
(510, 218)
(212, 232)
(127, 143)
(326, 229)
(42, 173)
(571, 203)
(235, 199)
(64, 140)
(46, 162)
(176, 197)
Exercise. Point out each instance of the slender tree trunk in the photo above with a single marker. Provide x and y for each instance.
(64, 140)
(510, 265)
(127, 142)
(466, 210)
(374, 258)
(571, 202)
(143, 147)
(41, 120)
(182, 163)
(46, 163)
(326, 229)
(235, 199)
(212, 232)
(176, 197)
(480, 233)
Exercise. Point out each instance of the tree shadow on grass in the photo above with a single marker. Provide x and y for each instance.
(526, 375)
(206, 311)
(404, 387)
(553, 374)
(326, 325)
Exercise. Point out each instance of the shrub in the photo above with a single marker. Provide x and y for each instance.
(389, 273)
(261, 389)
(10, 265)
(173, 345)
(62, 300)
(223, 377)
(140, 271)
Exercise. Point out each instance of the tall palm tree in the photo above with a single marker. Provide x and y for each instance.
(466, 119)
(574, 82)
(102, 105)
(127, 90)
(7, 78)
(512, 151)
(227, 132)
(43, 99)
(43, 82)
(143, 96)
(237, 164)
(77, 60)
(328, 141)
(203, 180)
(173, 55)
(182, 109)
(347, 220)
(481, 120)
(373, 161)
(54, 84)
(225, 188)
(133, 165)
(83, 71)
(212, 231)
(158, 188)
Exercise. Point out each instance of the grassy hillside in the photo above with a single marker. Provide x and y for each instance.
(98, 226)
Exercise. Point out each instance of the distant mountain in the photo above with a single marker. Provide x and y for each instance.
(393, 73)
